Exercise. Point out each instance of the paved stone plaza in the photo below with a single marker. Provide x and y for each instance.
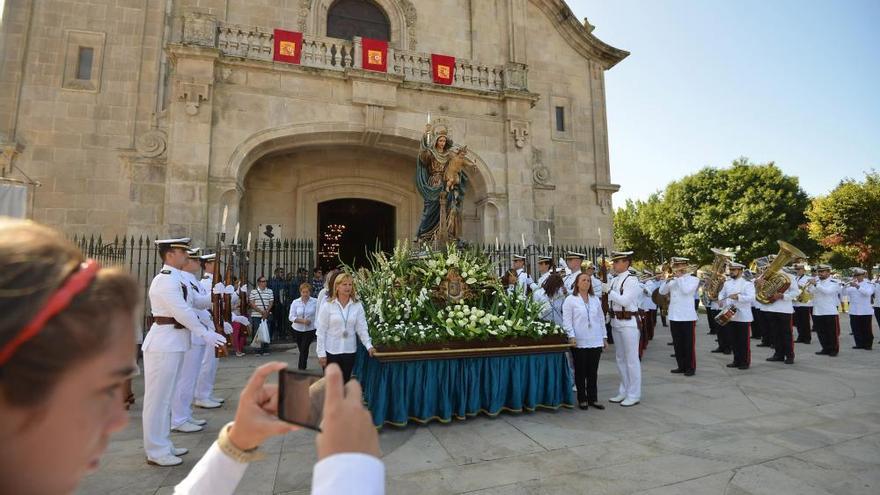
(808, 428)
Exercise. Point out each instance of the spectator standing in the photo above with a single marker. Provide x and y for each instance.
(302, 316)
(277, 285)
(261, 300)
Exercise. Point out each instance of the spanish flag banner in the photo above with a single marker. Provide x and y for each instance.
(288, 46)
(443, 68)
(374, 55)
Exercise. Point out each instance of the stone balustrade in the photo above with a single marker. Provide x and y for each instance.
(256, 43)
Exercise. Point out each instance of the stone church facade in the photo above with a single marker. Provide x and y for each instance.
(150, 116)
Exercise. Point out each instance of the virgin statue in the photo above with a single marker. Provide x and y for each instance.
(440, 169)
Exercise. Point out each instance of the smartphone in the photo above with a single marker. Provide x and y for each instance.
(301, 398)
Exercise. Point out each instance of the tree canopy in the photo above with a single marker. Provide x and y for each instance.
(744, 208)
(847, 221)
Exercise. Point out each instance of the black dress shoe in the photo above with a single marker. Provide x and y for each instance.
(733, 365)
(597, 406)
(583, 405)
(789, 360)
(728, 352)
(689, 373)
(858, 347)
(670, 343)
(832, 354)
(716, 350)
(775, 358)
(744, 367)
(819, 353)
(762, 345)
(677, 370)
(672, 355)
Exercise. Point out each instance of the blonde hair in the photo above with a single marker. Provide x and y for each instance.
(34, 262)
(340, 278)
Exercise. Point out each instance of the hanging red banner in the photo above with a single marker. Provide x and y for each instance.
(288, 46)
(374, 54)
(443, 68)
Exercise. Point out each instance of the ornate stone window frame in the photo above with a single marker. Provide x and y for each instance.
(401, 17)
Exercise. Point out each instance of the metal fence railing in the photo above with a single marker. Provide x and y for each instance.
(502, 254)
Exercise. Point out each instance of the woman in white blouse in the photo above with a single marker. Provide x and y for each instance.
(324, 293)
(552, 296)
(584, 322)
(302, 318)
(341, 317)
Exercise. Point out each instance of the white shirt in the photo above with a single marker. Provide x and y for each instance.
(552, 307)
(784, 305)
(523, 280)
(322, 298)
(350, 472)
(543, 278)
(860, 298)
(200, 300)
(584, 321)
(826, 296)
(681, 292)
(801, 282)
(167, 299)
(647, 303)
(627, 301)
(337, 327)
(260, 298)
(746, 295)
(303, 311)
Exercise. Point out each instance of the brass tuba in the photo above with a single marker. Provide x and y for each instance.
(772, 281)
(715, 277)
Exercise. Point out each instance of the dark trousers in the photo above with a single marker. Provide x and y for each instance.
(779, 325)
(863, 334)
(768, 328)
(345, 361)
(586, 371)
(303, 341)
(739, 333)
(651, 323)
(710, 319)
(724, 334)
(684, 334)
(802, 316)
(608, 333)
(877, 313)
(828, 331)
(757, 327)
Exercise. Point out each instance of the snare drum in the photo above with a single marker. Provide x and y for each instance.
(726, 314)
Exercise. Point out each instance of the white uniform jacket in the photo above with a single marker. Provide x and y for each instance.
(648, 287)
(337, 327)
(543, 278)
(745, 291)
(801, 282)
(523, 280)
(681, 292)
(860, 298)
(826, 297)
(784, 305)
(624, 296)
(167, 299)
(218, 474)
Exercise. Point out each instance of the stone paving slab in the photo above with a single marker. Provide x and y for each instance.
(808, 428)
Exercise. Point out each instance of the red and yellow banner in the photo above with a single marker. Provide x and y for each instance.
(443, 68)
(288, 46)
(374, 54)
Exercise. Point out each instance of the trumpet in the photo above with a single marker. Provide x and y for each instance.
(805, 296)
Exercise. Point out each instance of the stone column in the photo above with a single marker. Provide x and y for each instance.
(189, 129)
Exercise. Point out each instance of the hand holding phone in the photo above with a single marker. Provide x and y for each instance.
(301, 398)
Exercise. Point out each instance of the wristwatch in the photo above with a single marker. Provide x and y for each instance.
(238, 455)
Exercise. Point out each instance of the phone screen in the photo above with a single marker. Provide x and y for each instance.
(301, 398)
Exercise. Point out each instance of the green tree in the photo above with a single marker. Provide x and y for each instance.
(847, 221)
(745, 208)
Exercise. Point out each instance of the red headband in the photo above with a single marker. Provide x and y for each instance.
(75, 284)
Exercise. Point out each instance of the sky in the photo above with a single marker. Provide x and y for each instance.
(708, 81)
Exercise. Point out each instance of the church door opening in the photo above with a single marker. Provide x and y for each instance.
(350, 228)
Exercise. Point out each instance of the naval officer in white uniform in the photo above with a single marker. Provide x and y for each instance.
(623, 299)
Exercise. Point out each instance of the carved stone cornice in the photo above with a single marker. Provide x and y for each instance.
(603, 195)
(578, 36)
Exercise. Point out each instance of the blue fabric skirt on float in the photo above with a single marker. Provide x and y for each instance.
(442, 389)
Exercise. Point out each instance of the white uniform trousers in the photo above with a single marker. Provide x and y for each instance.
(181, 404)
(626, 352)
(161, 370)
(207, 374)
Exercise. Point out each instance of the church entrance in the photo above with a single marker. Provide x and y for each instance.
(349, 228)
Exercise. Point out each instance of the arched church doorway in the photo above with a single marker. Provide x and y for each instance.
(349, 228)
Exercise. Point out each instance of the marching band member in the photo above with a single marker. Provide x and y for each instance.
(342, 317)
(803, 311)
(826, 318)
(523, 280)
(200, 300)
(647, 303)
(164, 348)
(682, 315)
(204, 395)
(739, 292)
(876, 296)
(859, 292)
(623, 295)
(723, 334)
(778, 319)
(584, 323)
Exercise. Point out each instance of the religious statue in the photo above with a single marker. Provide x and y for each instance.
(442, 180)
